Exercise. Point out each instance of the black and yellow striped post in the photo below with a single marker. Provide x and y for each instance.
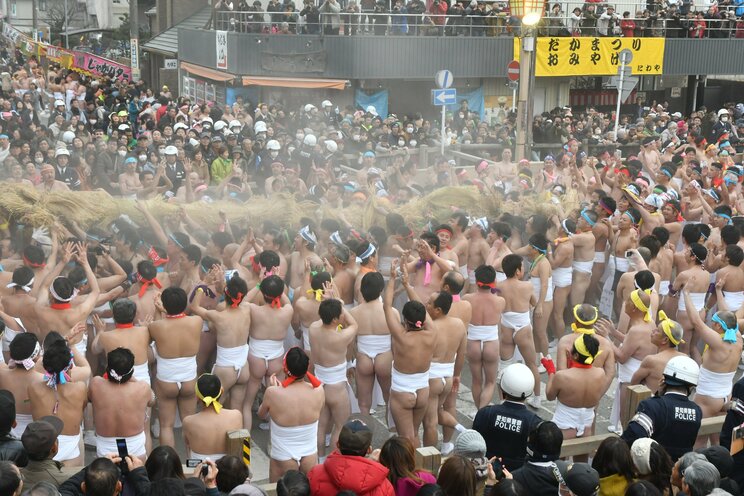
(247, 451)
(239, 444)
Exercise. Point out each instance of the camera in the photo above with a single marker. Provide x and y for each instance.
(498, 469)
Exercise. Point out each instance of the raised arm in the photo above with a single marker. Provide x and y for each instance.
(81, 256)
(391, 316)
(153, 223)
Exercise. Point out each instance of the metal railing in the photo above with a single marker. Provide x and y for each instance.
(492, 23)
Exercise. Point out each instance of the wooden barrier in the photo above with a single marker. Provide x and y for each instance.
(429, 459)
(239, 444)
(269, 489)
(636, 394)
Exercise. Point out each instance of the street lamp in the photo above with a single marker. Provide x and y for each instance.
(530, 12)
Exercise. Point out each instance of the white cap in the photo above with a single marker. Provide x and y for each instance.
(62, 151)
(68, 136)
(309, 107)
(655, 201)
(722, 112)
(122, 127)
(220, 125)
(310, 140)
(207, 119)
(517, 381)
(235, 123)
(180, 125)
(171, 150)
(331, 146)
(57, 103)
(273, 145)
(682, 368)
(372, 110)
(260, 127)
(326, 103)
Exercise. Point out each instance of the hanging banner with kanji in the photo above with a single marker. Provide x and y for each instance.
(585, 56)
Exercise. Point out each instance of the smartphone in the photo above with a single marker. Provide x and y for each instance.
(121, 447)
(192, 462)
(205, 470)
(498, 469)
(628, 253)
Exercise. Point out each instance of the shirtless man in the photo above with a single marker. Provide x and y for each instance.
(189, 268)
(605, 209)
(446, 363)
(667, 336)
(444, 232)
(413, 348)
(696, 281)
(25, 351)
(19, 305)
(330, 337)
(578, 388)
(231, 324)
(53, 307)
(129, 181)
(459, 224)
(305, 242)
(583, 257)
(561, 262)
(454, 283)
(586, 316)
(541, 278)
(62, 397)
(120, 403)
(650, 211)
(626, 238)
(730, 278)
(478, 249)
(48, 182)
(306, 308)
(343, 277)
(176, 339)
(293, 407)
(635, 346)
(205, 432)
(374, 354)
(426, 273)
(144, 291)
(483, 335)
(133, 338)
(516, 327)
(723, 345)
(269, 324)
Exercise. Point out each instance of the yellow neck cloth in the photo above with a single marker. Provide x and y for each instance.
(318, 294)
(635, 297)
(667, 325)
(208, 400)
(581, 348)
(589, 322)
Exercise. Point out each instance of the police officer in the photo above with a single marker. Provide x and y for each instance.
(670, 418)
(62, 172)
(174, 169)
(507, 426)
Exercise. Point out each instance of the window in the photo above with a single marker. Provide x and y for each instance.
(200, 91)
(13, 9)
(42, 5)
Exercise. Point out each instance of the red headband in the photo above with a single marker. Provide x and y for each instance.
(236, 299)
(147, 283)
(276, 302)
(486, 284)
(290, 378)
(32, 264)
(156, 259)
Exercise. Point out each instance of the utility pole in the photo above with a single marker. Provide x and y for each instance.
(67, 26)
(134, 40)
(34, 20)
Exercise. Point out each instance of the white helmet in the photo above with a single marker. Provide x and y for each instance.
(235, 123)
(68, 136)
(517, 381)
(259, 127)
(61, 151)
(326, 103)
(310, 140)
(179, 125)
(220, 125)
(681, 369)
(309, 107)
(207, 120)
(331, 146)
(59, 103)
(722, 112)
(171, 150)
(273, 145)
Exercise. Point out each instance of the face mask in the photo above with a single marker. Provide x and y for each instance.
(409, 130)
(300, 136)
(413, 143)
(93, 121)
(462, 116)
(401, 143)
(355, 137)
(122, 153)
(274, 154)
(39, 160)
(143, 158)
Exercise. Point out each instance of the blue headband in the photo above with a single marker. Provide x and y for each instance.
(367, 253)
(727, 217)
(587, 218)
(539, 249)
(306, 234)
(666, 173)
(630, 216)
(173, 238)
(729, 335)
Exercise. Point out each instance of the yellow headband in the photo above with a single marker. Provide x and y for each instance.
(208, 400)
(581, 348)
(635, 297)
(318, 294)
(667, 325)
(584, 330)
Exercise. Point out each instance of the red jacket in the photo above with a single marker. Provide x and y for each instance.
(342, 472)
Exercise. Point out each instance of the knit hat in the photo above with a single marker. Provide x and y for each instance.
(470, 444)
(640, 452)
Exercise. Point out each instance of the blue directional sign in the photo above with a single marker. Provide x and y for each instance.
(445, 96)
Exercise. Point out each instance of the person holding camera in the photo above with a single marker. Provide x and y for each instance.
(380, 18)
(351, 18)
(312, 17)
(331, 17)
(399, 23)
(416, 9)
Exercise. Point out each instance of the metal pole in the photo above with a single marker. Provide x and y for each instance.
(34, 21)
(444, 116)
(525, 64)
(514, 96)
(619, 98)
(134, 40)
(67, 36)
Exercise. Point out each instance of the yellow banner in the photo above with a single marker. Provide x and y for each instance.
(584, 56)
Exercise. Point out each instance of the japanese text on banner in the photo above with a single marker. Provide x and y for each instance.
(586, 56)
